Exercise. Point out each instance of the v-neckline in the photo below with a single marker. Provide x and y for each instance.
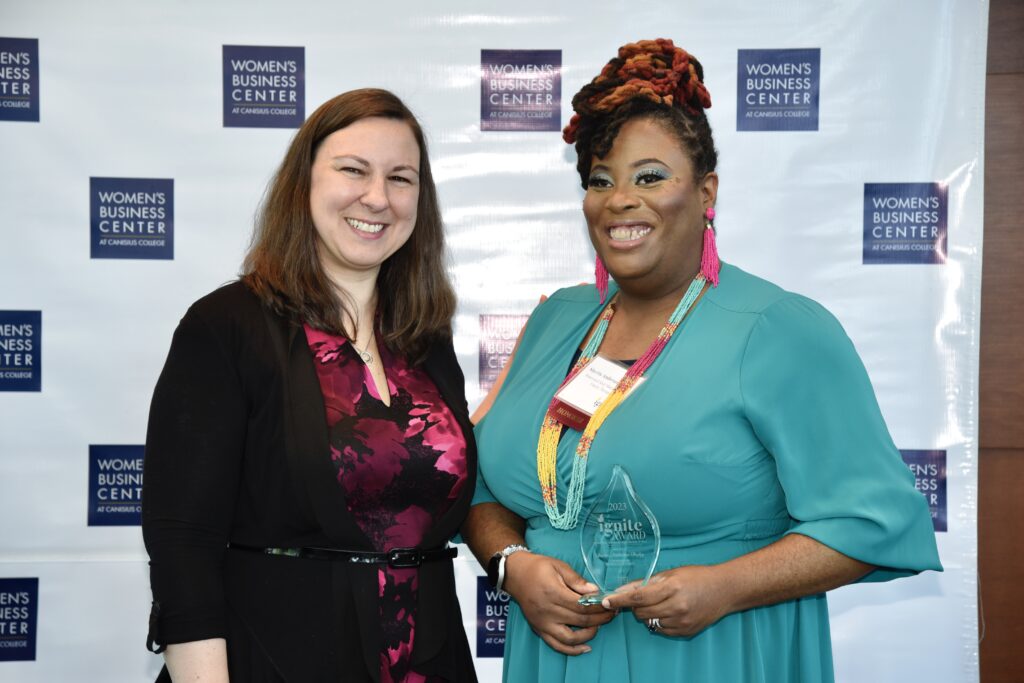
(369, 381)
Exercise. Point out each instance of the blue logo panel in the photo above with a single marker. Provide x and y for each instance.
(778, 89)
(491, 615)
(19, 604)
(498, 334)
(905, 223)
(19, 79)
(929, 469)
(264, 87)
(115, 485)
(21, 366)
(131, 218)
(521, 90)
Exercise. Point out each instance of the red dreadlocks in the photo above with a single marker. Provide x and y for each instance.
(654, 70)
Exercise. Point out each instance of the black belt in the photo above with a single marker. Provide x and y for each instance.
(397, 558)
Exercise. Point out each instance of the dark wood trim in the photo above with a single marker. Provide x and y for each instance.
(1001, 402)
(1006, 36)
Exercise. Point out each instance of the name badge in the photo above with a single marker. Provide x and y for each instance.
(576, 401)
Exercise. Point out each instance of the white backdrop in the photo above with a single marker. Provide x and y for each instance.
(133, 90)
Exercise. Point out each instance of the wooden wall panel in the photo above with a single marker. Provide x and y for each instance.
(1001, 564)
(1002, 294)
(1001, 455)
(1006, 37)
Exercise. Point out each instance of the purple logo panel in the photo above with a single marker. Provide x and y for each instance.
(498, 334)
(905, 223)
(115, 485)
(491, 615)
(131, 218)
(929, 469)
(778, 89)
(19, 79)
(19, 604)
(21, 364)
(521, 90)
(264, 87)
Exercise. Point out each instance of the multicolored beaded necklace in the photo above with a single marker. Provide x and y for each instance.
(551, 428)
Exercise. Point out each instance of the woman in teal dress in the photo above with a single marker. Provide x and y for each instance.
(754, 435)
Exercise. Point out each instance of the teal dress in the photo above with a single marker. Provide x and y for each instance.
(757, 420)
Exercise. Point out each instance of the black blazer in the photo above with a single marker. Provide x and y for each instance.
(237, 451)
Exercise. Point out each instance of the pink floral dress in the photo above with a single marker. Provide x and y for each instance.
(401, 467)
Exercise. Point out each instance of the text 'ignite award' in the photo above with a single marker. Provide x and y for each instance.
(619, 538)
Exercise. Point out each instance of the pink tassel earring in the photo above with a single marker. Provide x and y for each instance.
(709, 263)
(601, 278)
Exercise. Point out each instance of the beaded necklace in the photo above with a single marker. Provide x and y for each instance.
(551, 428)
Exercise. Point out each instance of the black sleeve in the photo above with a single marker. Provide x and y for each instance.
(458, 379)
(194, 447)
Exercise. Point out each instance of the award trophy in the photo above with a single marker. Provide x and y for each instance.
(619, 538)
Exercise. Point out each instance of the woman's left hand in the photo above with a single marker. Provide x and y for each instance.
(684, 600)
(688, 599)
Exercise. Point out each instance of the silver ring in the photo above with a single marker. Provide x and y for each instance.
(654, 624)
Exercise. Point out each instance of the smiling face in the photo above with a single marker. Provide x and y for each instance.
(645, 209)
(364, 189)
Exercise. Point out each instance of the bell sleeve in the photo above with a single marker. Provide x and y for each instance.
(810, 402)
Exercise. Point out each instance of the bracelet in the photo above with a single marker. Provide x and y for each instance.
(496, 565)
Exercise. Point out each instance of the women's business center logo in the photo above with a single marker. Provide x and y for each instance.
(264, 87)
(20, 351)
(115, 485)
(19, 79)
(491, 618)
(778, 89)
(929, 470)
(905, 223)
(131, 218)
(19, 603)
(498, 334)
(520, 90)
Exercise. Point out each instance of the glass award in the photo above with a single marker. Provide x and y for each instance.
(619, 538)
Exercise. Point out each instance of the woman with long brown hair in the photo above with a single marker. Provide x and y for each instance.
(309, 451)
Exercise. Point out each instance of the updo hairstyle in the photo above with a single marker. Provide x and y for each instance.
(650, 79)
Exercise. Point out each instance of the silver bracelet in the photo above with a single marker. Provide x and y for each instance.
(505, 552)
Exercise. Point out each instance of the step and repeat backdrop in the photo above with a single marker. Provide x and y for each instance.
(138, 138)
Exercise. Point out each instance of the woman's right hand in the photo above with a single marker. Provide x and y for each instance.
(547, 591)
